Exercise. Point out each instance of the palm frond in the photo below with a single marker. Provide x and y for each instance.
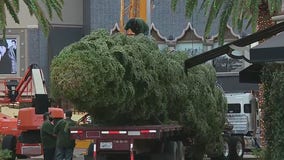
(213, 13)
(219, 4)
(274, 6)
(174, 4)
(240, 12)
(227, 9)
(2, 20)
(48, 6)
(35, 10)
(240, 24)
(28, 4)
(248, 24)
(16, 5)
(254, 8)
(237, 13)
(205, 5)
(190, 6)
(243, 14)
(12, 10)
(55, 5)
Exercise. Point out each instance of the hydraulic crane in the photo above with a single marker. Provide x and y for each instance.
(22, 137)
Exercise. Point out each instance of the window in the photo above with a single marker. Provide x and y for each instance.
(234, 108)
(191, 48)
(247, 108)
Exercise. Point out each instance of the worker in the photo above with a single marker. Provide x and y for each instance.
(137, 25)
(48, 139)
(64, 145)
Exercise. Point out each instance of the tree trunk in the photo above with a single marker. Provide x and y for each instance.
(264, 21)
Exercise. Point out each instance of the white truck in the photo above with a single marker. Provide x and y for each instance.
(243, 116)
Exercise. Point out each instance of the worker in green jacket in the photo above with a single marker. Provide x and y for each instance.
(48, 139)
(137, 25)
(64, 144)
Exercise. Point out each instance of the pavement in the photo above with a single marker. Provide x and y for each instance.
(77, 155)
(250, 157)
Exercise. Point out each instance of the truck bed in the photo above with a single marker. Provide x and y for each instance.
(124, 132)
(129, 141)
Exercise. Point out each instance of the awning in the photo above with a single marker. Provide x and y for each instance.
(271, 50)
(251, 74)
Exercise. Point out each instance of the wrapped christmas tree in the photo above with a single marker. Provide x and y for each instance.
(127, 80)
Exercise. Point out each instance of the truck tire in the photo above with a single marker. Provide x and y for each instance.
(237, 148)
(171, 150)
(225, 155)
(9, 143)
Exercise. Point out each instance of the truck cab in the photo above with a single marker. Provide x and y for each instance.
(243, 115)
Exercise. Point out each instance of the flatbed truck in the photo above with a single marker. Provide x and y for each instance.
(151, 142)
(167, 142)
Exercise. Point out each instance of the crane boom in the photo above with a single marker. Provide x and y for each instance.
(38, 82)
(29, 89)
(225, 49)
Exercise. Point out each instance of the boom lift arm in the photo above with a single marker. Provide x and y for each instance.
(30, 89)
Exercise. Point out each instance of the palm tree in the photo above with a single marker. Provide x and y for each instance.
(35, 8)
(254, 13)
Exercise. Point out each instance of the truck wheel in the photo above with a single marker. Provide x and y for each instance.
(171, 150)
(9, 143)
(225, 155)
(226, 149)
(237, 148)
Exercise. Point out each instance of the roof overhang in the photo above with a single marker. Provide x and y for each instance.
(251, 74)
(271, 50)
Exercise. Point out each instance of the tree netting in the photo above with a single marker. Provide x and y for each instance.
(125, 80)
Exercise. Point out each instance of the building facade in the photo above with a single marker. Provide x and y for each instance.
(169, 28)
(33, 47)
